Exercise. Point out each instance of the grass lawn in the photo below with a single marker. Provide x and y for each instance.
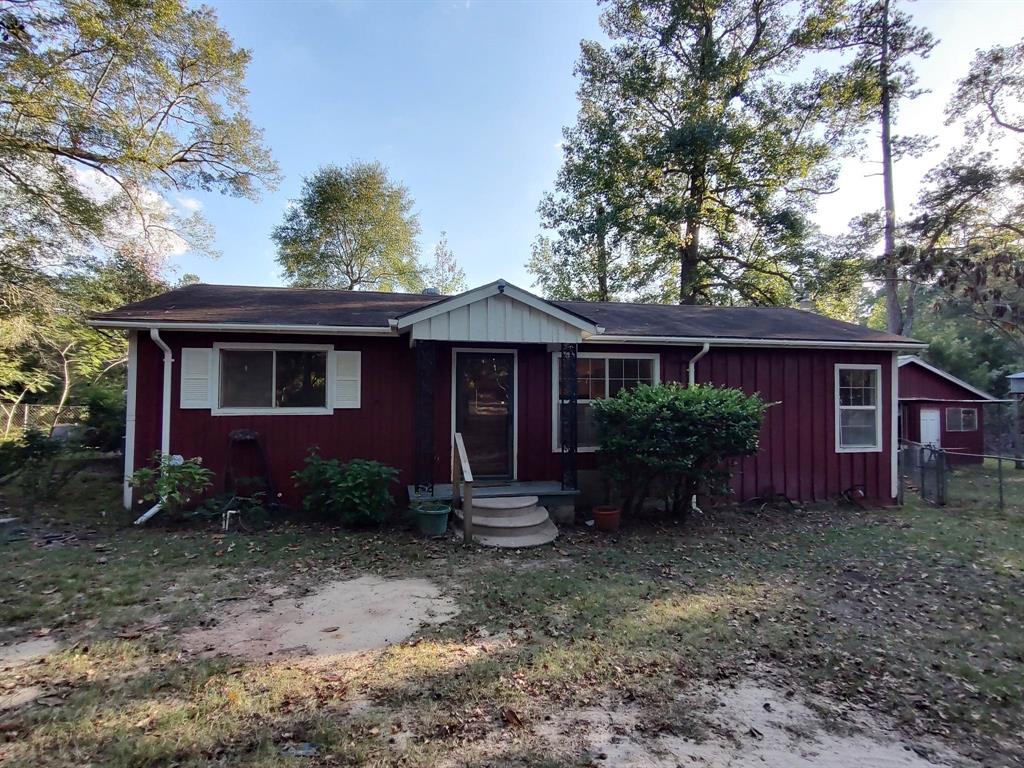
(916, 613)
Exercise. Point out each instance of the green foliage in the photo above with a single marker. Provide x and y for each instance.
(697, 154)
(351, 228)
(678, 437)
(105, 424)
(33, 459)
(445, 274)
(102, 103)
(355, 493)
(173, 484)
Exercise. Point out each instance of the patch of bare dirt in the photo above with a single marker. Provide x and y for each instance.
(17, 654)
(749, 726)
(341, 617)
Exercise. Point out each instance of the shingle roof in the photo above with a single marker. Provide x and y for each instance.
(770, 323)
(204, 303)
(247, 305)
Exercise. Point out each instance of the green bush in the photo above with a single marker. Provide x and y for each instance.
(105, 423)
(353, 494)
(32, 460)
(675, 436)
(172, 482)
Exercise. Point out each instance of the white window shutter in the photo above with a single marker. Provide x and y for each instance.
(347, 379)
(196, 364)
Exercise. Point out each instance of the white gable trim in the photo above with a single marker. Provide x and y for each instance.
(498, 287)
(907, 359)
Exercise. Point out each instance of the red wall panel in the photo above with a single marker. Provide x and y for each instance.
(921, 388)
(797, 455)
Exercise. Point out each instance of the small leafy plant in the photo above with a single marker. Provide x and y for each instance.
(355, 493)
(172, 481)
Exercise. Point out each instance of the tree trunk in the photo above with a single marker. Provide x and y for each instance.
(66, 389)
(893, 312)
(11, 412)
(689, 258)
(602, 256)
(689, 252)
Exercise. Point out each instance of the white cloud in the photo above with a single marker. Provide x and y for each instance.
(189, 204)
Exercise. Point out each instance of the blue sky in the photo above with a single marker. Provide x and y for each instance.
(464, 102)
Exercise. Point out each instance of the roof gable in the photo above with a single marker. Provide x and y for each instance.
(498, 312)
(905, 360)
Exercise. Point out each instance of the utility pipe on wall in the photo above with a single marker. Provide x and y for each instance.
(165, 420)
(693, 362)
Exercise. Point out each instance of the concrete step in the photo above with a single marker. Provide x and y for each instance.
(516, 538)
(512, 519)
(504, 503)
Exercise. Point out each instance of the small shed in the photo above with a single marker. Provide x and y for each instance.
(938, 409)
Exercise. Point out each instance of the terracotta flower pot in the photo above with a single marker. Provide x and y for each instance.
(607, 518)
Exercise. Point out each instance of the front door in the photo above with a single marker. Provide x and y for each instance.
(485, 410)
(930, 430)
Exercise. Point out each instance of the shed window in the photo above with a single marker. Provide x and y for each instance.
(961, 419)
(858, 408)
(273, 379)
(597, 377)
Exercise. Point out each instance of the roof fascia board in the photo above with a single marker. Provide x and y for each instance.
(331, 330)
(729, 341)
(948, 376)
(493, 289)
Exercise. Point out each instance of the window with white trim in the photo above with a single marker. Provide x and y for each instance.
(272, 379)
(599, 376)
(961, 419)
(858, 408)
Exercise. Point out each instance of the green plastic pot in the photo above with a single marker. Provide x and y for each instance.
(433, 518)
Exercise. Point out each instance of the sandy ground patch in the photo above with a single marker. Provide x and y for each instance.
(751, 725)
(341, 617)
(26, 651)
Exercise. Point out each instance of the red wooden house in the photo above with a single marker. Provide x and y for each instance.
(940, 410)
(393, 376)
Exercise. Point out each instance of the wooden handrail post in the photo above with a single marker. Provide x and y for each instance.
(462, 470)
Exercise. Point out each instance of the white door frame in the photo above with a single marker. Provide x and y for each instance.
(515, 399)
(938, 425)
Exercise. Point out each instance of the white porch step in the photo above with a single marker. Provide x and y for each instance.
(512, 522)
(545, 533)
(524, 519)
(504, 506)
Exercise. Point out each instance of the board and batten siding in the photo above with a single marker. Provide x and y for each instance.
(797, 455)
(926, 389)
(496, 319)
(381, 427)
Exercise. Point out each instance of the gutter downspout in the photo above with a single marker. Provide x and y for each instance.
(693, 362)
(693, 380)
(165, 421)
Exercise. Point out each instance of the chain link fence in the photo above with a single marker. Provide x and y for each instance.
(19, 417)
(966, 480)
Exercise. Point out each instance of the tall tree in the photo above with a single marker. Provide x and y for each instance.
(351, 228)
(104, 105)
(724, 148)
(967, 234)
(445, 274)
(885, 44)
(590, 256)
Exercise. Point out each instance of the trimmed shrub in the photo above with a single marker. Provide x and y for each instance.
(352, 494)
(679, 437)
